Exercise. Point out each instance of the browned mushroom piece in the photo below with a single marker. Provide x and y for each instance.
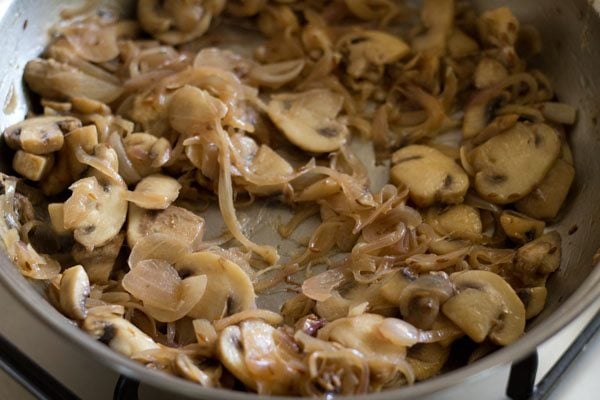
(538, 259)
(534, 299)
(56, 80)
(510, 165)
(99, 262)
(176, 22)
(498, 27)
(457, 222)
(74, 291)
(489, 72)
(85, 138)
(429, 175)
(485, 306)
(32, 166)
(520, 227)
(309, 119)
(40, 135)
(422, 299)
(547, 199)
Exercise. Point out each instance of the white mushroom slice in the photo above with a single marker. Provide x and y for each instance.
(176, 22)
(520, 227)
(147, 152)
(74, 291)
(100, 261)
(489, 72)
(155, 192)
(510, 165)
(95, 212)
(458, 222)
(461, 45)
(367, 48)
(429, 175)
(267, 164)
(54, 80)
(85, 138)
(59, 178)
(547, 199)
(308, 119)
(538, 259)
(254, 356)
(498, 27)
(173, 221)
(485, 306)
(193, 111)
(40, 135)
(118, 333)
(534, 299)
(32, 166)
(57, 218)
(229, 289)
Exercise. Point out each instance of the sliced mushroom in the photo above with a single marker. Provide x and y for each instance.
(85, 138)
(95, 212)
(55, 80)
(267, 164)
(147, 152)
(229, 289)
(99, 262)
(176, 22)
(438, 17)
(538, 259)
(59, 178)
(457, 222)
(57, 218)
(489, 72)
(155, 192)
(392, 289)
(32, 166)
(429, 175)
(116, 332)
(254, 356)
(421, 300)
(461, 45)
(498, 27)
(365, 49)
(40, 135)
(74, 291)
(173, 221)
(534, 299)
(308, 119)
(510, 165)
(485, 306)
(547, 199)
(520, 227)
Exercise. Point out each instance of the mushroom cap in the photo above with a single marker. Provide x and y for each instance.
(510, 165)
(229, 289)
(95, 212)
(429, 175)
(485, 306)
(40, 135)
(74, 291)
(308, 119)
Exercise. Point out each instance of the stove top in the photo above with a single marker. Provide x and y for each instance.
(562, 374)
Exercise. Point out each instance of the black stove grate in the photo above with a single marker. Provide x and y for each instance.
(520, 386)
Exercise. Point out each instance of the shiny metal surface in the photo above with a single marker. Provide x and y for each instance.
(571, 57)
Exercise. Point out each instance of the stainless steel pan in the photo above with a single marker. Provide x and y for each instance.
(571, 56)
